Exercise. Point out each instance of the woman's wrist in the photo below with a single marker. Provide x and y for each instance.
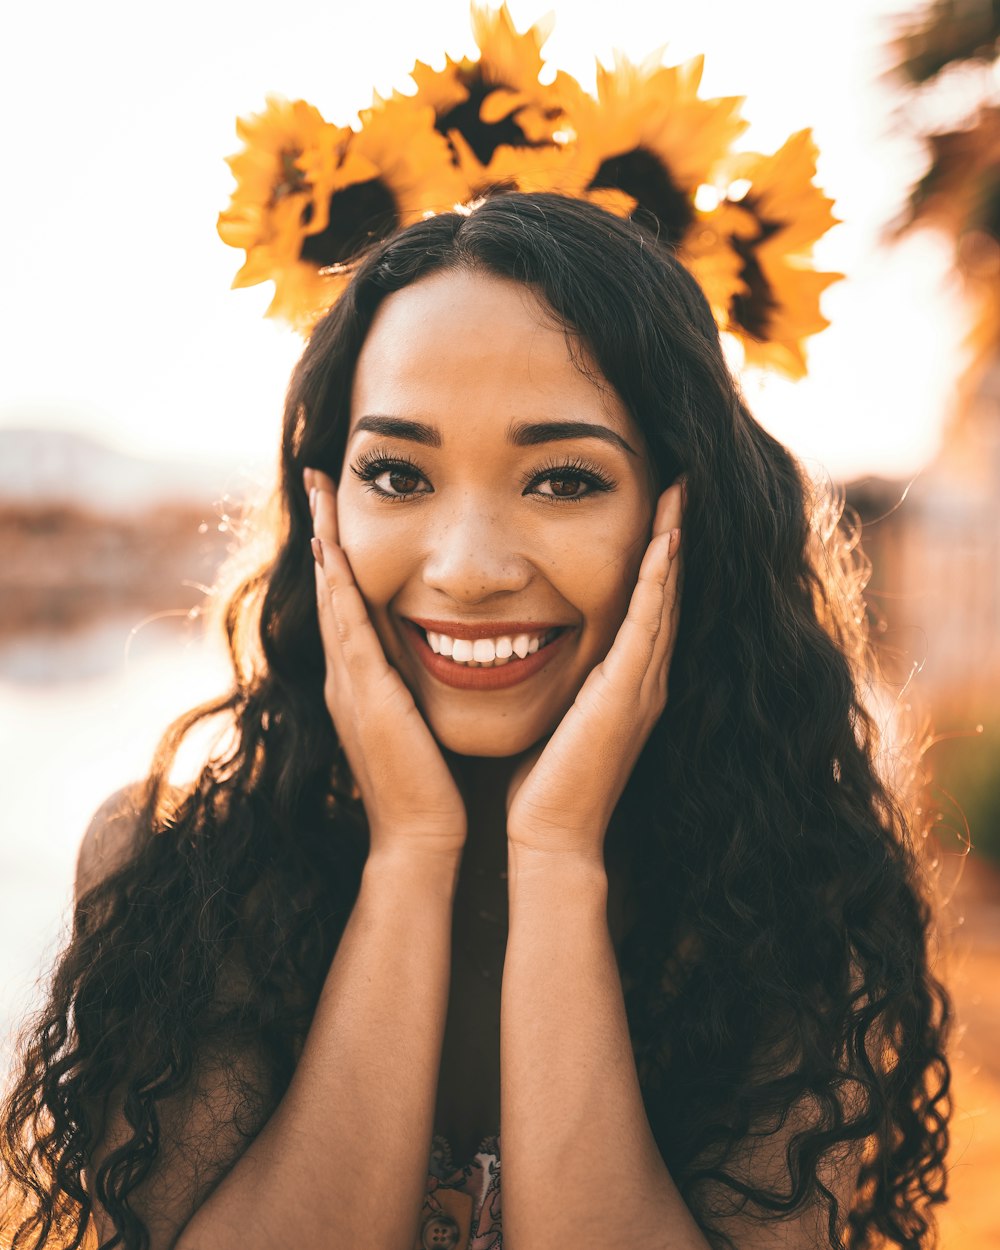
(409, 870)
(531, 868)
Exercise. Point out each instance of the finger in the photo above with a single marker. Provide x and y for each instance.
(349, 613)
(633, 649)
(657, 673)
(669, 509)
(322, 553)
(645, 606)
(668, 518)
(323, 505)
(349, 638)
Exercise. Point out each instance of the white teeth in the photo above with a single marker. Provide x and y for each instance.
(483, 650)
(462, 650)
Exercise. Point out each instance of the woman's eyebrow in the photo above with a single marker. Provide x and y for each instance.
(531, 434)
(526, 434)
(399, 427)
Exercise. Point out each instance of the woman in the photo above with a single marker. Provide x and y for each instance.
(464, 862)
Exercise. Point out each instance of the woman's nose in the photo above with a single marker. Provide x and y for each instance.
(473, 556)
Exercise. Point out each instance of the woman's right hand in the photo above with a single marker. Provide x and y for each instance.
(410, 797)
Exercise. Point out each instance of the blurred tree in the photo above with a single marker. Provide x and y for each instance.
(948, 58)
(960, 192)
(946, 32)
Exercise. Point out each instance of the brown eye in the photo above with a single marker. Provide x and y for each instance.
(565, 487)
(568, 482)
(403, 483)
(389, 477)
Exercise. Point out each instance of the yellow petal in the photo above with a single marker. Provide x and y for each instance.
(500, 103)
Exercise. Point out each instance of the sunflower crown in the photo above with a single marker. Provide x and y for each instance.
(311, 195)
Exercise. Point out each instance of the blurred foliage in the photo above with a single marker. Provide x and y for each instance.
(946, 32)
(960, 192)
(965, 788)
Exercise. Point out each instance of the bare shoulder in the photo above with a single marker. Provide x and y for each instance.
(110, 837)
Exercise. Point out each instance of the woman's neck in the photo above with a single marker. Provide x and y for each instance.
(483, 784)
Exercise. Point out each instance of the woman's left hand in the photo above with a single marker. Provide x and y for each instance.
(563, 794)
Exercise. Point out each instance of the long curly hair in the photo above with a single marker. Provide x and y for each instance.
(777, 952)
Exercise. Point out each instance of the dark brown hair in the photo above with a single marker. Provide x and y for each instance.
(778, 902)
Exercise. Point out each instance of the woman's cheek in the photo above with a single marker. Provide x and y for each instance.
(373, 556)
(598, 576)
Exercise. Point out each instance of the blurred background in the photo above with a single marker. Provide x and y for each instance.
(140, 397)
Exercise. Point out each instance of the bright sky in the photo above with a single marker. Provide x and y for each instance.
(117, 316)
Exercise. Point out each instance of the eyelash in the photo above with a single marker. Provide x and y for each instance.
(373, 463)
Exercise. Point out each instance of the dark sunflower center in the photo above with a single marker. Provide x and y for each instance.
(641, 174)
(292, 178)
(358, 214)
(752, 312)
(483, 137)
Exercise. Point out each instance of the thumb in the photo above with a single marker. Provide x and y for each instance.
(524, 766)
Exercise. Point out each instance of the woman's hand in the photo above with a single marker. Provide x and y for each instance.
(410, 797)
(563, 794)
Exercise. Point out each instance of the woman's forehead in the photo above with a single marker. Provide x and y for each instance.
(460, 341)
(458, 314)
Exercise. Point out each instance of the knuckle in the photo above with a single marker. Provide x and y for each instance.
(651, 627)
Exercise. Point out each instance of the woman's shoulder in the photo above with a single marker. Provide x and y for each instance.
(111, 835)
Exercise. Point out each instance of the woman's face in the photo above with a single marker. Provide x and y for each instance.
(490, 491)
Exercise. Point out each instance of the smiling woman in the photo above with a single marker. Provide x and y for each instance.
(503, 461)
(550, 818)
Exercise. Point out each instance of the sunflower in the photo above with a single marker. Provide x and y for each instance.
(312, 196)
(650, 140)
(552, 167)
(709, 251)
(267, 169)
(772, 218)
(282, 195)
(318, 196)
(496, 100)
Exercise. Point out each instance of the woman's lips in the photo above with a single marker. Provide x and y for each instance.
(463, 677)
(482, 629)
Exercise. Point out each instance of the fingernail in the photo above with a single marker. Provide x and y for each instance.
(312, 501)
(675, 542)
(317, 550)
(307, 478)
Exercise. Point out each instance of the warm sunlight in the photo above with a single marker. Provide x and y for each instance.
(141, 401)
(114, 264)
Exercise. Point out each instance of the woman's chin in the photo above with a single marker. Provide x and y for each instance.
(489, 739)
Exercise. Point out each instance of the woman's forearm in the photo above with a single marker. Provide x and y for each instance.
(580, 1164)
(343, 1159)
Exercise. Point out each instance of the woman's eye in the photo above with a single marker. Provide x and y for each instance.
(400, 479)
(564, 487)
(398, 482)
(390, 479)
(569, 483)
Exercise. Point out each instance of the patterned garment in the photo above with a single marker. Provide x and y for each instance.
(462, 1204)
